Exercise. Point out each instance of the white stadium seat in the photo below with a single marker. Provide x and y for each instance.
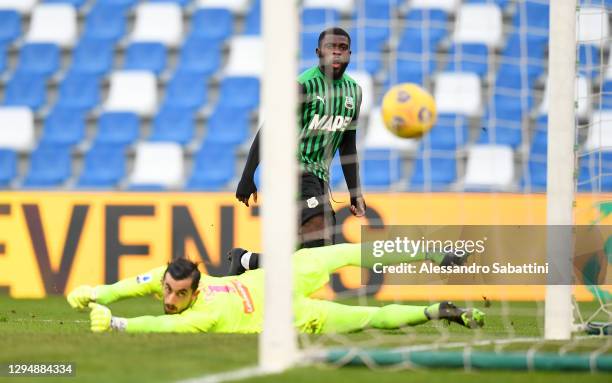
(16, 128)
(132, 91)
(378, 137)
(158, 22)
(479, 23)
(53, 23)
(459, 93)
(600, 131)
(592, 26)
(583, 99)
(21, 6)
(245, 57)
(365, 80)
(449, 6)
(236, 6)
(158, 163)
(343, 6)
(490, 167)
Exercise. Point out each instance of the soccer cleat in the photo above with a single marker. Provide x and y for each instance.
(235, 257)
(470, 318)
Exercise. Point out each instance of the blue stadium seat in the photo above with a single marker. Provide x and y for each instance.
(589, 58)
(428, 24)
(500, 131)
(199, 56)
(516, 76)
(433, 171)
(539, 142)
(449, 133)
(519, 45)
(502, 4)
(118, 129)
(336, 175)
(534, 179)
(606, 91)
(10, 26)
(50, 166)
(103, 167)
(239, 92)
(381, 168)
(149, 56)
(26, 89)
(252, 23)
(125, 4)
(595, 172)
(314, 20)
(39, 58)
(63, 127)
(173, 124)
(228, 126)
(106, 21)
(533, 14)
(510, 105)
(3, 58)
(186, 90)
(182, 3)
(469, 58)
(212, 23)
(92, 56)
(8, 167)
(213, 167)
(74, 3)
(308, 44)
(366, 47)
(79, 91)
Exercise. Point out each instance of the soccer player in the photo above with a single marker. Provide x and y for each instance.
(234, 304)
(329, 108)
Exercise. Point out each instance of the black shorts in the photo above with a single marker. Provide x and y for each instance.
(314, 199)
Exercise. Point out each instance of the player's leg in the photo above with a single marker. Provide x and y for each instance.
(317, 217)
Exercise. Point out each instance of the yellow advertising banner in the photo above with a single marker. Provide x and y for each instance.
(51, 242)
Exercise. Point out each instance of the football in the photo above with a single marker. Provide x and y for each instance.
(408, 110)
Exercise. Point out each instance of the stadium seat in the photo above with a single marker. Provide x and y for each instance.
(366, 82)
(245, 57)
(449, 133)
(433, 171)
(63, 127)
(92, 56)
(472, 57)
(582, 98)
(595, 172)
(236, 6)
(199, 56)
(145, 56)
(212, 24)
(458, 93)
(366, 47)
(533, 15)
(149, 17)
(534, 179)
(158, 163)
(479, 23)
(489, 167)
(308, 45)
(79, 91)
(381, 168)
(501, 130)
(252, 23)
(8, 167)
(50, 167)
(606, 96)
(513, 76)
(430, 25)
(182, 3)
(105, 22)
(593, 26)
(228, 126)
(520, 44)
(239, 92)
(448, 6)
(132, 91)
(173, 125)
(16, 128)
(26, 89)
(39, 59)
(3, 59)
(589, 59)
(103, 167)
(21, 6)
(314, 20)
(118, 129)
(74, 3)
(378, 137)
(539, 142)
(213, 167)
(125, 4)
(186, 90)
(53, 23)
(10, 26)
(343, 6)
(599, 135)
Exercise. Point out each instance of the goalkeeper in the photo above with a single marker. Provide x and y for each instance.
(234, 304)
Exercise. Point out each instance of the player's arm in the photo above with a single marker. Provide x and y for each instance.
(189, 321)
(246, 186)
(350, 165)
(144, 284)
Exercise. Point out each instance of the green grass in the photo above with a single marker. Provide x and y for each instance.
(49, 331)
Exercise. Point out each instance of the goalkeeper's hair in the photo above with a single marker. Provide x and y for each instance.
(334, 31)
(183, 268)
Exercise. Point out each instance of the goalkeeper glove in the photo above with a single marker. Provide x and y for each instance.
(80, 297)
(102, 320)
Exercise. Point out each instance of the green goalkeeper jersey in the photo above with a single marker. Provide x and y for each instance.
(327, 109)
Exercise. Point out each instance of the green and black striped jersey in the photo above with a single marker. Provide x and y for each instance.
(328, 108)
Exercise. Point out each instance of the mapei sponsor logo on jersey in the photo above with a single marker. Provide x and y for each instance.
(329, 123)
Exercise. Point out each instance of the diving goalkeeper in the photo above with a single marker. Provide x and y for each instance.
(234, 304)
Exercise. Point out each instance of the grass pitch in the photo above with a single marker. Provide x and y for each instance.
(48, 330)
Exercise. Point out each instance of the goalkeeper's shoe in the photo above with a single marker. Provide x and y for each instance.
(470, 318)
(235, 260)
